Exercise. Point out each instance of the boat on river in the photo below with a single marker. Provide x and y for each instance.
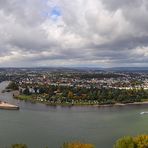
(7, 106)
(143, 113)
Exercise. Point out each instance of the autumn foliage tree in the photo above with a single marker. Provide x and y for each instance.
(18, 146)
(77, 145)
(70, 95)
(140, 141)
(125, 142)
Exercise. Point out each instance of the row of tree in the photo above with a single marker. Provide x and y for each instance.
(69, 94)
(102, 96)
(65, 145)
(140, 141)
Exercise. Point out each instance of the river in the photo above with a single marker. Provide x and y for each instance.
(39, 125)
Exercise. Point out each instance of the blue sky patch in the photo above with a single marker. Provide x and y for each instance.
(56, 12)
(53, 13)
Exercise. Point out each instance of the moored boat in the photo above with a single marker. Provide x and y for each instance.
(7, 106)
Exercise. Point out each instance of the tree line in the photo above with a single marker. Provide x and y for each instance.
(70, 94)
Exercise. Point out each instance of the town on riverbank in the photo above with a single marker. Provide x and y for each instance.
(78, 86)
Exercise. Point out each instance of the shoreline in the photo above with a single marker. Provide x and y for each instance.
(81, 104)
(123, 104)
(16, 96)
(5, 105)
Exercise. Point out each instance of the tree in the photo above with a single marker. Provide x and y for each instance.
(19, 146)
(26, 91)
(125, 142)
(77, 145)
(70, 95)
(41, 90)
(141, 141)
(13, 86)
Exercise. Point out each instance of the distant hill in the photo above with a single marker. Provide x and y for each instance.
(128, 69)
(77, 69)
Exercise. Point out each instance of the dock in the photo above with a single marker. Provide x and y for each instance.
(7, 106)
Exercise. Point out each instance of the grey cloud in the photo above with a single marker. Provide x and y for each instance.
(124, 43)
(31, 39)
(106, 32)
(119, 4)
(135, 12)
(27, 12)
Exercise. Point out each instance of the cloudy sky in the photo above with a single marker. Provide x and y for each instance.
(97, 33)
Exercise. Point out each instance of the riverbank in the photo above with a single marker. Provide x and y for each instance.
(17, 96)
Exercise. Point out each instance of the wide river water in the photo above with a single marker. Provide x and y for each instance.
(39, 125)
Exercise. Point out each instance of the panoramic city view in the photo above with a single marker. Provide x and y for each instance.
(73, 74)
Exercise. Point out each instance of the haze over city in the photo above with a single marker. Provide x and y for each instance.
(95, 33)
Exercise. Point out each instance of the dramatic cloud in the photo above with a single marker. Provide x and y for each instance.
(73, 33)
